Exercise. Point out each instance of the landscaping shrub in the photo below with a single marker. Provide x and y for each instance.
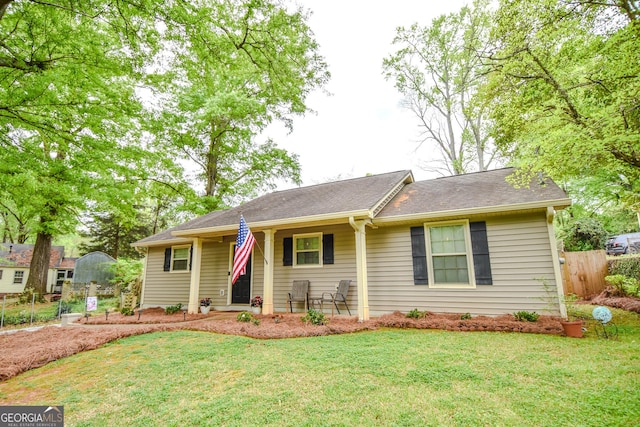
(526, 316)
(245, 316)
(584, 234)
(173, 308)
(627, 266)
(624, 285)
(26, 296)
(416, 314)
(315, 317)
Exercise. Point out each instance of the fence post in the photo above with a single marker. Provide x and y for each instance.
(4, 301)
(33, 303)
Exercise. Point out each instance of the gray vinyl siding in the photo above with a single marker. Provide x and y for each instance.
(322, 279)
(163, 288)
(520, 253)
(519, 250)
(167, 288)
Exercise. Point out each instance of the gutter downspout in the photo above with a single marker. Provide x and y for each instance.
(361, 267)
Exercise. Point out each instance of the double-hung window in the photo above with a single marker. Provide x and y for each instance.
(180, 258)
(307, 249)
(18, 276)
(449, 257)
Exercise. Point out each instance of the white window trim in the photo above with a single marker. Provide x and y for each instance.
(15, 276)
(173, 251)
(469, 254)
(295, 251)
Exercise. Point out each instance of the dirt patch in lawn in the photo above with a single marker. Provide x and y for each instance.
(24, 350)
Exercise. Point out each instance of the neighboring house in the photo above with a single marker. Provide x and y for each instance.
(15, 260)
(466, 244)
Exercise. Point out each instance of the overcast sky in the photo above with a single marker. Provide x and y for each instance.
(360, 128)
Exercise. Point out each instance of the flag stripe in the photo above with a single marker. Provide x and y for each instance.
(244, 245)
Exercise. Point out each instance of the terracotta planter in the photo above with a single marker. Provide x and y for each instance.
(572, 329)
(205, 309)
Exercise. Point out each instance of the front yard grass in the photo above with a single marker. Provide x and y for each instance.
(384, 377)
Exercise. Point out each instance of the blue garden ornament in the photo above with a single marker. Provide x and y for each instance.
(605, 328)
(602, 314)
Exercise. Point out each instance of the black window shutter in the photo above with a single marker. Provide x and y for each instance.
(327, 248)
(287, 251)
(480, 249)
(167, 259)
(419, 254)
(190, 256)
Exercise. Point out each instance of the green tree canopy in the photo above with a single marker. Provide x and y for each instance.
(231, 77)
(566, 91)
(77, 133)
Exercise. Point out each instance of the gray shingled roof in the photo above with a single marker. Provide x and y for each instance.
(473, 191)
(351, 195)
(470, 191)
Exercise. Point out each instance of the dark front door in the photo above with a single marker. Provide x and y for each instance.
(241, 290)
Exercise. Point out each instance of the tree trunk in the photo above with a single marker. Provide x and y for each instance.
(39, 267)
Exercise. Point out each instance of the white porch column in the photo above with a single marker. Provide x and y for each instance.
(194, 287)
(557, 272)
(361, 267)
(267, 303)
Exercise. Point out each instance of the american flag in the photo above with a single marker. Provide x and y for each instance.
(244, 245)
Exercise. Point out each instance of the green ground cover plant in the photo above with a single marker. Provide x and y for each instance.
(383, 377)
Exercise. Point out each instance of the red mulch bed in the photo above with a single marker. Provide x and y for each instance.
(24, 350)
(611, 298)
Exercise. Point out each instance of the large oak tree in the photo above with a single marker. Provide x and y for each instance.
(75, 130)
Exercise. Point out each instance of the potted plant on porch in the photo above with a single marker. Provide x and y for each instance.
(205, 305)
(573, 325)
(256, 304)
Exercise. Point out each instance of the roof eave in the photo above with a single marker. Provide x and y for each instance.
(280, 224)
(163, 242)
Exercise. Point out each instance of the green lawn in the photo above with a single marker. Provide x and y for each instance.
(385, 377)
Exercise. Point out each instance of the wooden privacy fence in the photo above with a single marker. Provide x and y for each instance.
(583, 273)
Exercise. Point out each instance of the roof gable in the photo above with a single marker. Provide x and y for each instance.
(487, 190)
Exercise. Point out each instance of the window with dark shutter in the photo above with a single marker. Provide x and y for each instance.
(287, 251)
(480, 249)
(167, 259)
(327, 249)
(419, 254)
